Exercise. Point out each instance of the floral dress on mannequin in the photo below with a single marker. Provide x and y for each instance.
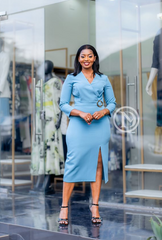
(47, 156)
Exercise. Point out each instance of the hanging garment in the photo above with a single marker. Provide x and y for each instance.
(25, 103)
(29, 83)
(26, 141)
(17, 90)
(157, 63)
(24, 110)
(47, 156)
(4, 69)
(4, 109)
(5, 118)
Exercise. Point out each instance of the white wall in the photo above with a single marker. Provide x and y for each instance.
(66, 26)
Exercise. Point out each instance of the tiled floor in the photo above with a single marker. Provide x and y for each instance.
(40, 212)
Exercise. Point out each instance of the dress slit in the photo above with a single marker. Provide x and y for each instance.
(104, 157)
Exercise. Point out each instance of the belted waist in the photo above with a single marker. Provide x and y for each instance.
(98, 103)
(86, 103)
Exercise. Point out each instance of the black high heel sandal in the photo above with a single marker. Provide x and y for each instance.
(63, 221)
(94, 220)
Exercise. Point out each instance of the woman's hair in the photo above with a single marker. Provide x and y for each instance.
(95, 66)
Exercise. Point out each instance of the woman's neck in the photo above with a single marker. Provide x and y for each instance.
(87, 71)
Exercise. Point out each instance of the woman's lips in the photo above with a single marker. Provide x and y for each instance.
(86, 64)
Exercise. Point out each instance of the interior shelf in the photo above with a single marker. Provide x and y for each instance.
(18, 182)
(144, 167)
(20, 157)
(144, 193)
(16, 161)
(17, 174)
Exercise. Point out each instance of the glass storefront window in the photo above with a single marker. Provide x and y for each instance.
(38, 43)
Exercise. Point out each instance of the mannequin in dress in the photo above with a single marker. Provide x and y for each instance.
(53, 157)
(157, 69)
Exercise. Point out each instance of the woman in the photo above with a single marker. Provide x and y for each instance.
(88, 132)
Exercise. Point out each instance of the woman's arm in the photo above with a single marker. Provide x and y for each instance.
(110, 101)
(109, 98)
(65, 100)
(66, 96)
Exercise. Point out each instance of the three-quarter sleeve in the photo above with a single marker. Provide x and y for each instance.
(66, 96)
(109, 97)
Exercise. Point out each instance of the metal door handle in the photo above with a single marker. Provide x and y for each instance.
(136, 99)
(34, 110)
(41, 110)
(135, 90)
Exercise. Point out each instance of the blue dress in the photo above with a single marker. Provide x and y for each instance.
(84, 141)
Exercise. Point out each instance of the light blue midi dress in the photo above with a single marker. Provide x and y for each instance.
(84, 141)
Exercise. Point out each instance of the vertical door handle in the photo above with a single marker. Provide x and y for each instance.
(136, 99)
(34, 109)
(41, 110)
(135, 90)
(127, 90)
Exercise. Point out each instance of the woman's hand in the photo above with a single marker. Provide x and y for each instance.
(87, 117)
(99, 114)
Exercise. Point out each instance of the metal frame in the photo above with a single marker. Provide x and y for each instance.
(71, 56)
(66, 57)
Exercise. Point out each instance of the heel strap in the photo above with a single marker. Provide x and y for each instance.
(95, 204)
(64, 206)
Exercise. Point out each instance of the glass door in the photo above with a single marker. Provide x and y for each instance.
(141, 167)
(126, 52)
(22, 53)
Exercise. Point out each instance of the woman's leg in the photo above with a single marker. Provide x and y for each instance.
(96, 187)
(67, 190)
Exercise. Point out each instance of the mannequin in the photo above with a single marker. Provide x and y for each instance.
(4, 85)
(51, 162)
(157, 69)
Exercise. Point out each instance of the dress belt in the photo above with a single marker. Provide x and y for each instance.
(99, 103)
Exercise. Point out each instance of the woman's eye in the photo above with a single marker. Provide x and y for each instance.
(90, 56)
(82, 56)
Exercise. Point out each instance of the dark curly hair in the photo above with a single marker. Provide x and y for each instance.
(95, 66)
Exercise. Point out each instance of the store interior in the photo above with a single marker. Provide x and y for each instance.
(33, 39)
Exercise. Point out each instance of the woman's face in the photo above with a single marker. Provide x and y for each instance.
(86, 58)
